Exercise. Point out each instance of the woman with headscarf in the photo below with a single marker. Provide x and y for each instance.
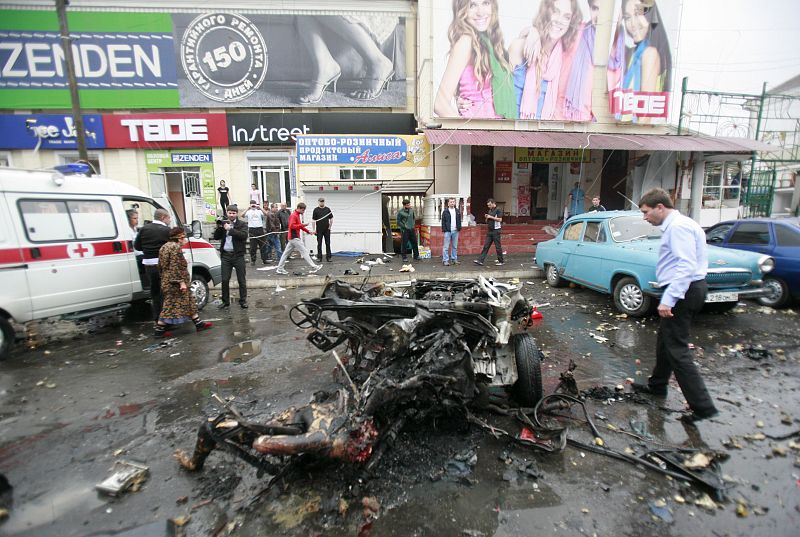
(179, 305)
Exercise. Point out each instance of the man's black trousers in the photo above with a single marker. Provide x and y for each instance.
(232, 261)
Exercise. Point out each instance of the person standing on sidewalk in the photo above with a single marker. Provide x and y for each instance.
(295, 241)
(149, 241)
(451, 225)
(283, 215)
(681, 271)
(406, 221)
(255, 217)
(273, 229)
(494, 221)
(232, 234)
(595, 206)
(323, 222)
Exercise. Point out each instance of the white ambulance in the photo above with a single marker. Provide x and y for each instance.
(66, 248)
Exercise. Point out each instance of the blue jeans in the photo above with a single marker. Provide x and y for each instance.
(274, 243)
(450, 238)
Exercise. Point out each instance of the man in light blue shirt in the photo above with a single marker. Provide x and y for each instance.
(680, 271)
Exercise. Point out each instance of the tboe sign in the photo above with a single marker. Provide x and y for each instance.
(165, 130)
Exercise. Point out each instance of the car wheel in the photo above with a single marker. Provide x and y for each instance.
(6, 338)
(629, 298)
(553, 279)
(199, 289)
(528, 389)
(778, 295)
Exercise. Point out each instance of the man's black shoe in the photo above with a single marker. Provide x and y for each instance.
(416, 259)
(649, 390)
(328, 259)
(478, 262)
(224, 305)
(691, 417)
(243, 305)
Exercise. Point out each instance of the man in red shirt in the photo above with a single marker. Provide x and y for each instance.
(295, 242)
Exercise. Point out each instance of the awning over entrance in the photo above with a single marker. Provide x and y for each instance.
(388, 186)
(578, 140)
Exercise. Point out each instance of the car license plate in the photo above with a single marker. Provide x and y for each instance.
(722, 297)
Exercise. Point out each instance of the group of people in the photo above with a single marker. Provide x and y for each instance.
(547, 71)
(167, 271)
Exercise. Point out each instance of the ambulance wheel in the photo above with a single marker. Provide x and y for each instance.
(199, 290)
(6, 338)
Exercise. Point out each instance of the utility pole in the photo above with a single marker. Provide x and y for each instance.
(66, 43)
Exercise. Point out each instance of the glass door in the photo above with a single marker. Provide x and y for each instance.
(273, 181)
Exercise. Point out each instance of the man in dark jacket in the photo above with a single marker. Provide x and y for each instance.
(323, 222)
(273, 229)
(283, 216)
(149, 241)
(406, 221)
(451, 225)
(232, 234)
(595, 206)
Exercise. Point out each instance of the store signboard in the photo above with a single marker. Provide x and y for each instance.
(502, 171)
(165, 130)
(362, 150)
(49, 131)
(161, 161)
(538, 154)
(251, 129)
(135, 59)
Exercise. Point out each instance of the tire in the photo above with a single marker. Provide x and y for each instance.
(6, 338)
(779, 293)
(553, 278)
(199, 289)
(629, 298)
(527, 391)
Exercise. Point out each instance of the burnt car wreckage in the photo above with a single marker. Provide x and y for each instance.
(428, 349)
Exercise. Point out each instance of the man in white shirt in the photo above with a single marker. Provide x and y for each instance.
(451, 225)
(681, 271)
(256, 216)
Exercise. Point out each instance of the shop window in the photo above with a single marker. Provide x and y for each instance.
(573, 231)
(721, 185)
(751, 233)
(358, 174)
(5, 160)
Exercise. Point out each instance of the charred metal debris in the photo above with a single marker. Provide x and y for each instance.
(429, 348)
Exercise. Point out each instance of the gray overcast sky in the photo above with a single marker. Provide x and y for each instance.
(737, 45)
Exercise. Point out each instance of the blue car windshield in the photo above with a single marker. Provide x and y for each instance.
(630, 228)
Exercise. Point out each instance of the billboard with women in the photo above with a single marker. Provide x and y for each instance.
(268, 58)
(528, 59)
(640, 60)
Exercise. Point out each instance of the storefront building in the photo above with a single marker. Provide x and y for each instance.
(177, 99)
(587, 108)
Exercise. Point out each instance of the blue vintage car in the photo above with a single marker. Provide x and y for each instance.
(616, 252)
(776, 237)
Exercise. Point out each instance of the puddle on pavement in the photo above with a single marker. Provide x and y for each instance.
(46, 509)
(190, 400)
(242, 352)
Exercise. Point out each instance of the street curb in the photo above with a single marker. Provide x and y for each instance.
(313, 280)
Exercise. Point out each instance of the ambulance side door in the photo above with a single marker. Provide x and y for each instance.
(76, 253)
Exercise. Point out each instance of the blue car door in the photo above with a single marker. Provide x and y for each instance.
(567, 244)
(752, 236)
(585, 263)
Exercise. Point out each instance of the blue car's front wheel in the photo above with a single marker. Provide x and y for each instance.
(629, 298)
(553, 278)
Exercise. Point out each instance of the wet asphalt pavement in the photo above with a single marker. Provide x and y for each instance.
(72, 407)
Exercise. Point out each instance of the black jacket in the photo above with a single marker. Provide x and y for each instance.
(150, 239)
(238, 233)
(446, 220)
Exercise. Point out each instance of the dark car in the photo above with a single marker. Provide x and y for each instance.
(776, 237)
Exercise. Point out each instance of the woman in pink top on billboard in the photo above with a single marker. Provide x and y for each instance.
(542, 58)
(477, 71)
